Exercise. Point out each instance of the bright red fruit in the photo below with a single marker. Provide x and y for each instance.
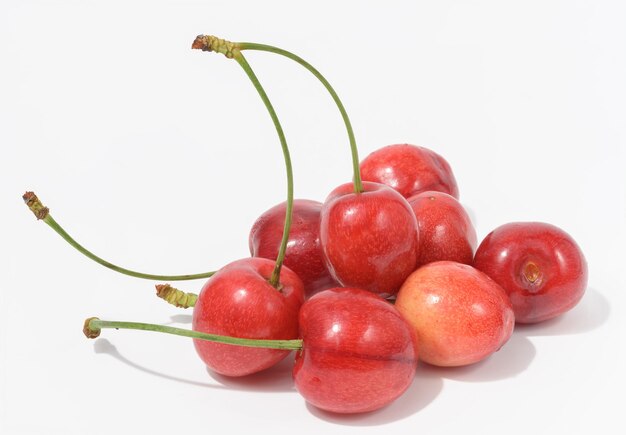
(304, 254)
(359, 354)
(410, 170)
(445, 230)
(239, 301)
(369, 239)
(539, 265)
(460, 316)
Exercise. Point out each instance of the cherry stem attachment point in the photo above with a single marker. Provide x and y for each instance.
(93, 326)
(176, 297)
(43, 213)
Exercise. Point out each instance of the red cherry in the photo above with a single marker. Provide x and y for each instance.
(410, 170)
(304, 254)
(460, 316)
(358, 355)
(239, 301)
(445, 230)
(539, 265)
(369, 239)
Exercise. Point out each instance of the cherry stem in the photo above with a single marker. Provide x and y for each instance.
(274, 279)
(231, 50)
(358, 185)
(42, 213)
(93, 326)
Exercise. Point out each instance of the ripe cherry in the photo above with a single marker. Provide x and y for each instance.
(304, 254)
(239, 301)
(445, 229)
(539, 265)
(370, 238)
(359, 354)
(460, 315)
(410, 170)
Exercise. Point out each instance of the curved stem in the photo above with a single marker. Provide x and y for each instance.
(358, 185)
(42, 212)
(231, 50)
(274, 280)
(93, 326)
(60, 231)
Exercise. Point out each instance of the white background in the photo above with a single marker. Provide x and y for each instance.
(159, 158)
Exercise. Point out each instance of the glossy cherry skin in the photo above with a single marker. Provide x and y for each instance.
(460, 315)
(539, 265)
(304, 253)
(445, 230)
(410, 170)
(358, 354)
(369, 239)
(238, 301)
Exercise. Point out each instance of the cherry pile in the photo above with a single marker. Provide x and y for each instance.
(384, 272)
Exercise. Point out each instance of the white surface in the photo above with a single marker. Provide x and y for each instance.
(159, 158)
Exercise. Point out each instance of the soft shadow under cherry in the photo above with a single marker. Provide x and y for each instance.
(592, 312)
(424, 389)
(276, 379)
(104, 346)
(184, 319)
(511, 360)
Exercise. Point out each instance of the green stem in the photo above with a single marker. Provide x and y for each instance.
(274, 280)
(231, 50)
(42, 213)
(56, 227)
(358, 185)
(93, 326)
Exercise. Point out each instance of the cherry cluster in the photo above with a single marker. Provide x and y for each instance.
(385, 272)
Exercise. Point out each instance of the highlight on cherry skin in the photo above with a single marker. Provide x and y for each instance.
(539, 265)
(459, 314)
(409, 169)
(369, 239)
(356, 354)
(445, 229)
(304, 253)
